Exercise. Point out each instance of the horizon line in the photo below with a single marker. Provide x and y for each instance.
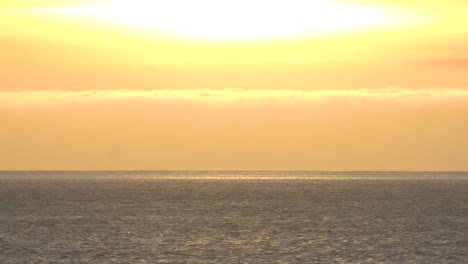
(320, 171)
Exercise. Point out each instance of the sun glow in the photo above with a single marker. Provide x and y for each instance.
(241, 19)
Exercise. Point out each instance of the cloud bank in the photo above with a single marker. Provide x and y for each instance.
(234, 97)
(384, 129)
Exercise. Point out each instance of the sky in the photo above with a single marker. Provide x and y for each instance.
(233, 85)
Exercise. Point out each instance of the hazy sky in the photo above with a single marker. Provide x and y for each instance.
(269, 85)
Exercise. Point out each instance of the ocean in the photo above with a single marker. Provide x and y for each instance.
(233, 217)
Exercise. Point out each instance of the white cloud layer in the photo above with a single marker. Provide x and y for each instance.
(21, 100)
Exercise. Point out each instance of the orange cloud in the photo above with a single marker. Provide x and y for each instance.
(461, 62)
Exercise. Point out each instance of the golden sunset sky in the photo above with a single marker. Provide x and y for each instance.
(233, 85)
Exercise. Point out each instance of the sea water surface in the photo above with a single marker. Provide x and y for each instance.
(233, 217)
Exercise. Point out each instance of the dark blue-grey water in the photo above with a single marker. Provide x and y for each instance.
(233, 217)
